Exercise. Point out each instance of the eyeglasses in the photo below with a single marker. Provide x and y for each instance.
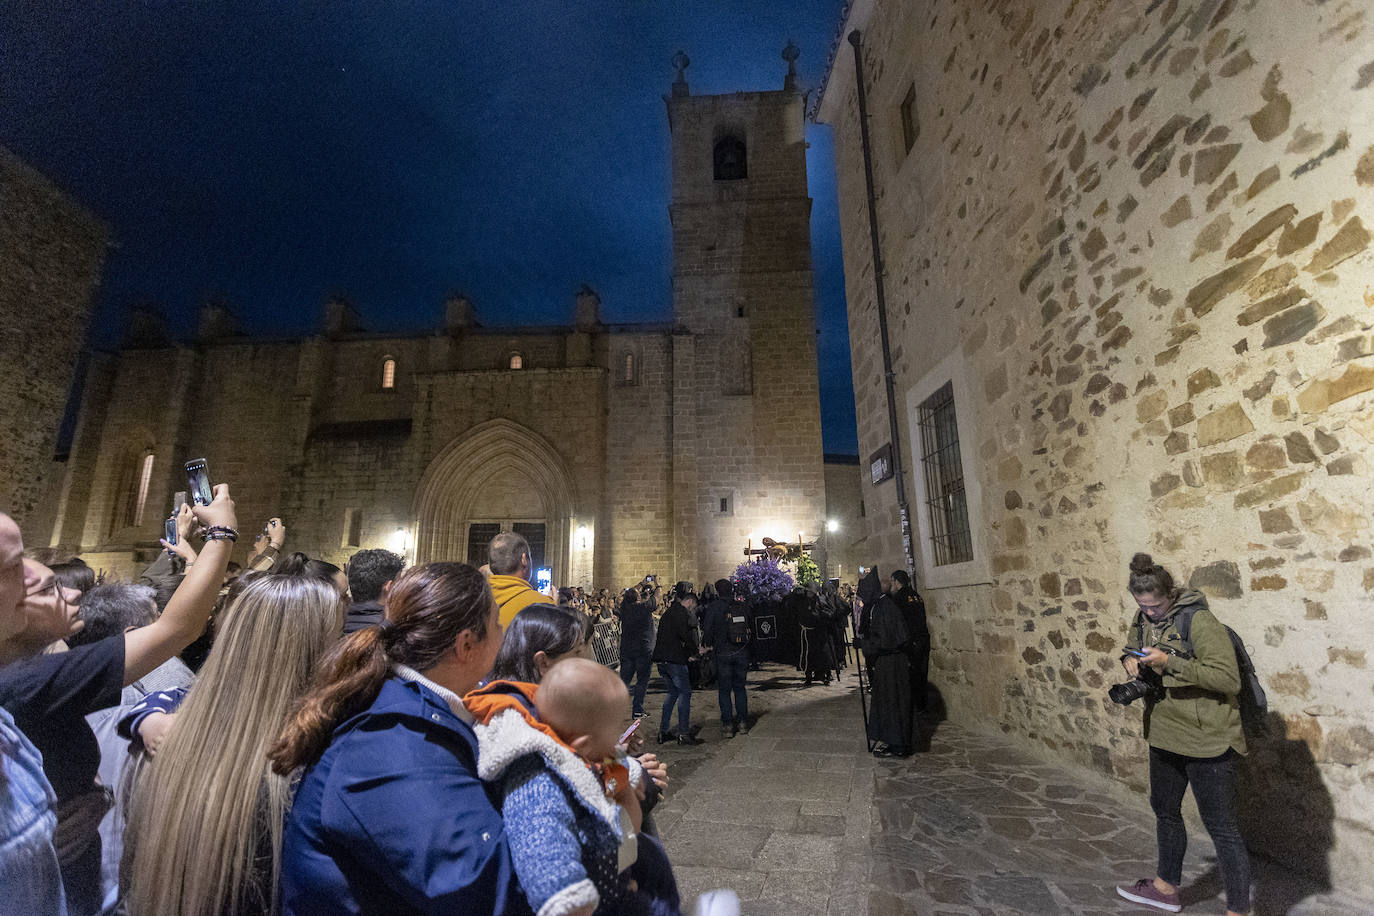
(52, 585)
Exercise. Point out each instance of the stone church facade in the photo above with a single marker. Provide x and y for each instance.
(618, 450)
(1126, 255)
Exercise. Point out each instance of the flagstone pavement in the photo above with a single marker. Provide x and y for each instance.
(799, 819)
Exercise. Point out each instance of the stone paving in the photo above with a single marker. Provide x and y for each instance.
(799, 819)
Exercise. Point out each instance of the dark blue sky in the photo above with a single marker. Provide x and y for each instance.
(276, 153)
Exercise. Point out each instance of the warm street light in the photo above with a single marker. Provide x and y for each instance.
(832, 525)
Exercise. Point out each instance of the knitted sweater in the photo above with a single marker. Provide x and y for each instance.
(565, 835)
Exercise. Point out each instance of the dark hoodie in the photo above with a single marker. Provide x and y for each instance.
(1199, 715)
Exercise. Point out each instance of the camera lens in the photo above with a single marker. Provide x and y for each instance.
(1129, 692)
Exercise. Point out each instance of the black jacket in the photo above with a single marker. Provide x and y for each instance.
(362, 615)
(914, 610)
(676, 641)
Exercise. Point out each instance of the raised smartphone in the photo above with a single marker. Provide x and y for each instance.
(198, 477)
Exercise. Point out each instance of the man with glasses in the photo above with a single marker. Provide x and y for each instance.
(49, 696)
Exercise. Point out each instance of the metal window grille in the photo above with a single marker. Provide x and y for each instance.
(517, 361)
(946, 504)
(479, 537)
(388, 373)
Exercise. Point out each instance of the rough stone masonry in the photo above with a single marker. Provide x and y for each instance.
(1135, 236)
(51, 254)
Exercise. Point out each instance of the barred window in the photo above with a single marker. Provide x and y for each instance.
(946, 502)
(516, 361)
(388, 373)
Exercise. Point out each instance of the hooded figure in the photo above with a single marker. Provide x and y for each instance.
(885, 646)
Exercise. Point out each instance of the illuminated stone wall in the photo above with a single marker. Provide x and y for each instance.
(1135, 237)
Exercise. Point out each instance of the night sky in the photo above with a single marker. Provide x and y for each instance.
(274, 154)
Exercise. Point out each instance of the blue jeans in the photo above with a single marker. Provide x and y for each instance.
(636, 665)
(732, 668)
(679, 692)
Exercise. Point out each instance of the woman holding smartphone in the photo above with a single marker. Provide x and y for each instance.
(1182, 662)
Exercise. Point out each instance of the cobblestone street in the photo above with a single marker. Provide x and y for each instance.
(799, 819)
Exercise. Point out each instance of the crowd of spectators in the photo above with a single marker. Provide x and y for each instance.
(288, 736)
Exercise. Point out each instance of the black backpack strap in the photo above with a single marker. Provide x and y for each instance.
(1184, 624)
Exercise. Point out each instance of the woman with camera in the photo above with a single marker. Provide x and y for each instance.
(1182, 663)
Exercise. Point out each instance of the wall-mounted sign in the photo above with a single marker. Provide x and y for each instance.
(880, 464)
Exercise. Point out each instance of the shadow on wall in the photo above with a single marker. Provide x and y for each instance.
(1286, 815)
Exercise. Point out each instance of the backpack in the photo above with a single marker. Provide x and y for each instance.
(1254, 705)
(737, 625)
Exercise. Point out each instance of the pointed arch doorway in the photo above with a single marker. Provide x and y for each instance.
(499, 476)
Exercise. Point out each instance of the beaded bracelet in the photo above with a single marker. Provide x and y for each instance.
(220, 533)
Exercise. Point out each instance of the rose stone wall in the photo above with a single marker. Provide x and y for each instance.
(1144, 230)
(51, 254)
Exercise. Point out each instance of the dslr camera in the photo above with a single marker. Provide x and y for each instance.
(1148, 684)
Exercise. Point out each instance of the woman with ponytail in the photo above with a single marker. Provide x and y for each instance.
(205, 825)
(1181, 661)
(390, 816)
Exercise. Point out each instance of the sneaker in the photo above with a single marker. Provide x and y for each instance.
(641, 715)
(1145, 892)
(689, 740)
(664, 737)
(742, 728)
(727, 731)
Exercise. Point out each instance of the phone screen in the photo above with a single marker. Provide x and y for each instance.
(629, 731)
(170, 530)
(198, 477)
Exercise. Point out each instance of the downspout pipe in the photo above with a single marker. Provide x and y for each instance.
(880, 297)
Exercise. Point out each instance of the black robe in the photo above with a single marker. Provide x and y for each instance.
(885, 646)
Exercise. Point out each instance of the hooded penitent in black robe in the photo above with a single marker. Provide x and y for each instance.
(885, 646)
(818, 653)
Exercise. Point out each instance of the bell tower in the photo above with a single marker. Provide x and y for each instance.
(747, 430)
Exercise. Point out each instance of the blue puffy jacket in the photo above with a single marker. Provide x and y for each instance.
(393, 819)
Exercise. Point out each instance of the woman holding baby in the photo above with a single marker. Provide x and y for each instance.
(392, 814)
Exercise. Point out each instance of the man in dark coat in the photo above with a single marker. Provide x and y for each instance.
(674, 648)
(918, 650)
(636, 613)
(370, 574)
(885, 646)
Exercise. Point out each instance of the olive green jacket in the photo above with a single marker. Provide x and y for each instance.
(1199, 715)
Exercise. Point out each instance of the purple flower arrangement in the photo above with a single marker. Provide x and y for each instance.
(762, 580)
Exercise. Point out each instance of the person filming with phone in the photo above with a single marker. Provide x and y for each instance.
(1182, 663)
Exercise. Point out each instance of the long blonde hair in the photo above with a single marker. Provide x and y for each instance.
(196, 820)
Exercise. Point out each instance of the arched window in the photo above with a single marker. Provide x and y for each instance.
(730, 161)
(517, 361)
(131, 493)
(628, 369)
(388, 373)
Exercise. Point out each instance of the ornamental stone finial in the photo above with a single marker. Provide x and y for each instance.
(790, 54)
(681, 61)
